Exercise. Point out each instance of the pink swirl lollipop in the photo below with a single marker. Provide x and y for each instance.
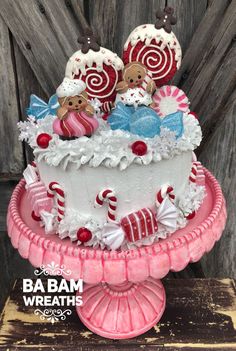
(169, 99)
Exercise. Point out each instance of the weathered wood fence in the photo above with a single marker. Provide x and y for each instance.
(38, 37)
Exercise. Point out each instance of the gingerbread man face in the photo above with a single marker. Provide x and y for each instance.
(74, 103)
(134, 74)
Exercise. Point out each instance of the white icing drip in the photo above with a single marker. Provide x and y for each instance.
(107, 147)
(78, 61)
(147, 32)
(189, 202)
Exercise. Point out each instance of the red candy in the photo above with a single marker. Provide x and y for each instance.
(139, 148)
(35, 217)
(193, 114)
(191, 215)
(84, 235)
(43, 140)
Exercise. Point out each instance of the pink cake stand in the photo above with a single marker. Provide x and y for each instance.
(123, 295)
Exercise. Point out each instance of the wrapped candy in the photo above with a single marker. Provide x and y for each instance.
(139, 225)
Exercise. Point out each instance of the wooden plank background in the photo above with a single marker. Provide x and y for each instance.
(38, 36)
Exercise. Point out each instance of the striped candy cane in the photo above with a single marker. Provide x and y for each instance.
(107, 195)
(193, 174)
(56, 190)
(147, 79)
(166, 190)
(34, 165)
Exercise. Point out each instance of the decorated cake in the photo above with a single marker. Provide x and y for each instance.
(114, 163)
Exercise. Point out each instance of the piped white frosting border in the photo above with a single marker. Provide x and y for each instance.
(109, 148)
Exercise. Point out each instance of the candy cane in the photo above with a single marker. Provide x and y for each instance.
(193, 174)
(107, 195)
(147, 79)
(56, 190)
(166, 190)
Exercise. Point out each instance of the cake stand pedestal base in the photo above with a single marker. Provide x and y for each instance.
(122, 311)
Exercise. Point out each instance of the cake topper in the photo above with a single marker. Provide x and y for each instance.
(158, 49)
(89, 41)
(75, 114)
(144, 121)
(98, 67)
(137, 85)
(165, 19)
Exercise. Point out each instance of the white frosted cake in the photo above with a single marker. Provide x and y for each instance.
(114, 163)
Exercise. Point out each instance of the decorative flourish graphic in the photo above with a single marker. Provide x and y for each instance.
(52, 315)
(52, 269)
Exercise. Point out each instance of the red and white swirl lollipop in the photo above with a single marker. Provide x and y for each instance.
(157, 49)
(100, 70)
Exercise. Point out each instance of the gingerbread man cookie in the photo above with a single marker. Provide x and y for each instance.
(89, 41)
(137, 85)
(134, 75)
(165, 19)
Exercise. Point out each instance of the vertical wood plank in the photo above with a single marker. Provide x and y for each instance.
(219, 156)
(11, 153)
(115, 19)
(189, 14)
(27, 84)
(195, 54)
(46, 34)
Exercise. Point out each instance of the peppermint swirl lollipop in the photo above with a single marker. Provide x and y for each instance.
(157, 49)
(100, 70)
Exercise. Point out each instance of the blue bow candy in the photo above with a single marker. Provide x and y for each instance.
(120, 117)
(144, 121)
(40, 109)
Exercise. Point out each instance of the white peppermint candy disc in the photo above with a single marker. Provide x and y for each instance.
(170, 99)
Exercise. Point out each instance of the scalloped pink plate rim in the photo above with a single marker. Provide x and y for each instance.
(115, 267)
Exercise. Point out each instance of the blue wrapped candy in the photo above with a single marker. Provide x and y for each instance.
(40, 109)
(174, 122)
(120, 117)
(144, 121)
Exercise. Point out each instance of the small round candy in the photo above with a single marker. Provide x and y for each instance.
(84, 235)
(43, 140)
(191, 215)
(139, 148)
